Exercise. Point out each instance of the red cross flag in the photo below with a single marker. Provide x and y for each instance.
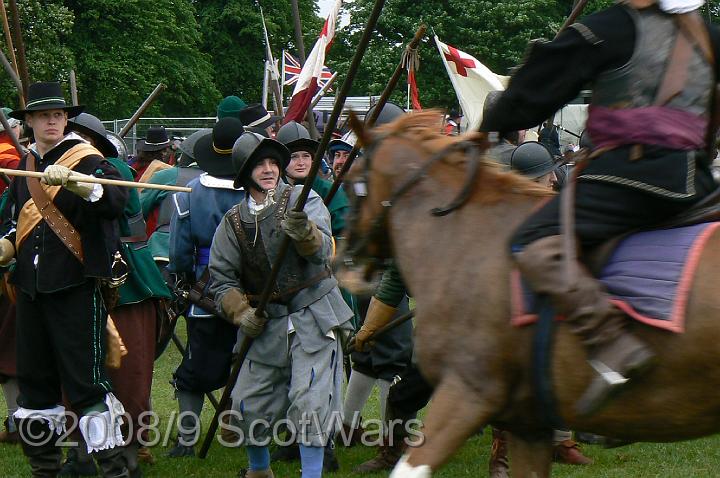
(312, 71)
(472, 81)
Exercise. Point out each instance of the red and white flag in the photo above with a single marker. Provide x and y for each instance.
(472, 81)
(307, 83)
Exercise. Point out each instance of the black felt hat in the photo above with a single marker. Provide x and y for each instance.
(213, 152)
(43, 96)
(90, 125)
(155, 140)
(256, 115)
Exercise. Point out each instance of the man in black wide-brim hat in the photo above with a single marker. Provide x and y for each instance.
(61, 253)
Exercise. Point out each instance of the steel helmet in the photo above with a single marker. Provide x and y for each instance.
(250, 147)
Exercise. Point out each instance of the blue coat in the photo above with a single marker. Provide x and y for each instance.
(196, 216)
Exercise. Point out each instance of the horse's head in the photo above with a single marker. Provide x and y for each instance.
(386, 171)
(410, 161)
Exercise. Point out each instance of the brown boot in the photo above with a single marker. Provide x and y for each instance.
(499, 464)
(614, 353)
(389, 453)
(568, 452)
(145, 455)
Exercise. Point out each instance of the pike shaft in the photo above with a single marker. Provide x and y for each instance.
(94, 180)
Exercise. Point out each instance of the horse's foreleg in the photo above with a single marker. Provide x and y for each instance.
(530, 459)
(455, 413)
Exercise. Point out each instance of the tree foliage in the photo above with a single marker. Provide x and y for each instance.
(495, 32)
(201, 49)
(233, 36)
(123, 49)
(46, 27)
(205, 49)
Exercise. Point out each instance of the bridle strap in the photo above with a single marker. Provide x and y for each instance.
(410, 182)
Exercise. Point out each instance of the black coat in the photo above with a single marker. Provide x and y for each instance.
(44, 264)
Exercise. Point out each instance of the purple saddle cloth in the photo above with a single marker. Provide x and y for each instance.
(649, 276)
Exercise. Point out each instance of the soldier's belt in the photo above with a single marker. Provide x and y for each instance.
(283, 297)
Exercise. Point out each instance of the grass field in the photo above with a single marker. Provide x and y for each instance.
(696, 459)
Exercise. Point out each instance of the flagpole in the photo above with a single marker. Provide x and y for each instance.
(269, 58)
(266, 73)
(389, 88)
(408, 97)
(282, 78)
(310, 117)
(298, 207)
(318, 96)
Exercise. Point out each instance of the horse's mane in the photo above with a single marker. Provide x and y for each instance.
(424, 130)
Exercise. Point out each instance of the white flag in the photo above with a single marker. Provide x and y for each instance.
(472, 81)
(312, 71)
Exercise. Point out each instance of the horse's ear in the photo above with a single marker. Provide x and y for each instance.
(358, 127)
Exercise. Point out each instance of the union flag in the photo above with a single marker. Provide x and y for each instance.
(292, 69)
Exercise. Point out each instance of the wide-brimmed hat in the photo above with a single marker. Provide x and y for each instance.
(230, 106)
(251, 147)
(213, 152)
(187, 147)
(296, 137)
(156, 139)
(46, 95)
(90, 125)
(257, 115)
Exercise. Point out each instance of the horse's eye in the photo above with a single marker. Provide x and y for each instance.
(360, 189)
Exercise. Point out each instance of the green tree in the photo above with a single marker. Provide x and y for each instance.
(495, 32)
(233, 36)
(46, 26)
(123, 49)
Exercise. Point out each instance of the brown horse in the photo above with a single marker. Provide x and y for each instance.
(457, 267)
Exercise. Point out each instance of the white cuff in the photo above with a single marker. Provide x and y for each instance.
(101, 431)
(96, 193)
(55, 417)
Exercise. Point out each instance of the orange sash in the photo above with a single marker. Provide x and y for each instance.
(29, 215)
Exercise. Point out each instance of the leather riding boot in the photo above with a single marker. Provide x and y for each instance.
(112, 462)
(499, 464)
(42, 454)
(614, 353)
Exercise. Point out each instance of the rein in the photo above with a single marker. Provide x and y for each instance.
(462, 197)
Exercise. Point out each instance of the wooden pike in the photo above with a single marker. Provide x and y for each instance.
(144, 106)
(284, 246)
(94, 180)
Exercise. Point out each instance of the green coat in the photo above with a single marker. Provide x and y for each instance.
(150, 200)
(338, 207)
(144, 280)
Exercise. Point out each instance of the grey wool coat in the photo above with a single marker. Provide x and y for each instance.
(318, 314)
